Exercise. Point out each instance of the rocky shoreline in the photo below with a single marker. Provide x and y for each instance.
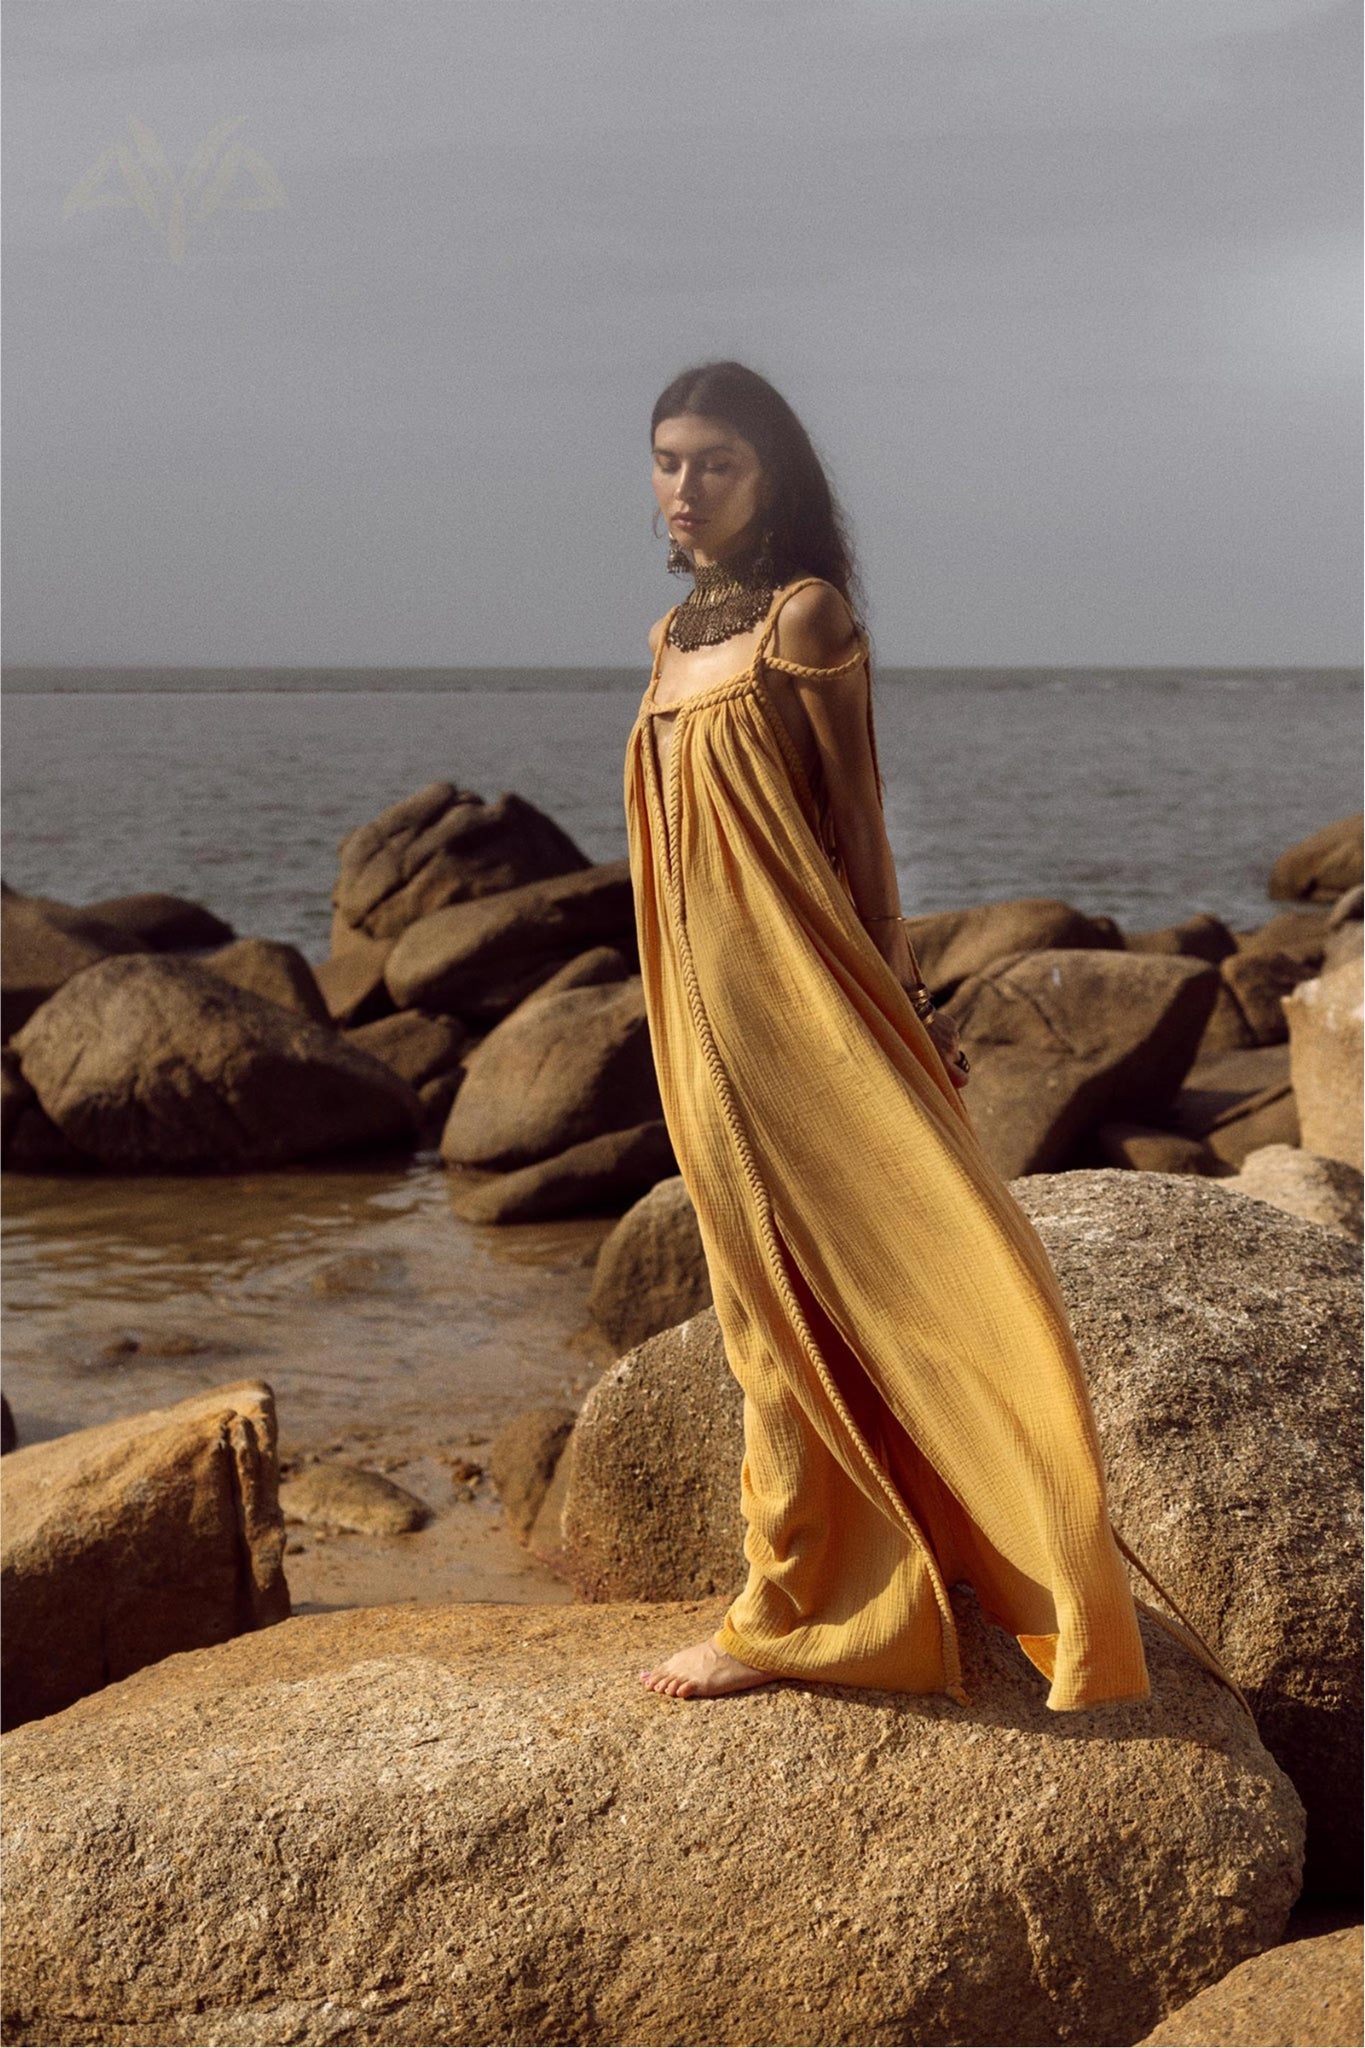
(228, 1820)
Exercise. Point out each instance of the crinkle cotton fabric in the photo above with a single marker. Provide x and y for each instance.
(915, 1408)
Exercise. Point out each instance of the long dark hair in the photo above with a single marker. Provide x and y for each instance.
(809, 533)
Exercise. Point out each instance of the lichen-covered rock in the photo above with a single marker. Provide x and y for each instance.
(1307, 1992)
(415, 1824)
(1222, 1347)
(154, 1062)
(651, 1272)
(137, 1538)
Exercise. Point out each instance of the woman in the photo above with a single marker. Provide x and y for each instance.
(915, 1410)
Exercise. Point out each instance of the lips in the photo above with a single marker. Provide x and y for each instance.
(688, 523)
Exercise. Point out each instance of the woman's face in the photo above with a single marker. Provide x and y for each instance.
(710, 485)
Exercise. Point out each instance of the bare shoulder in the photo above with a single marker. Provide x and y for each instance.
(815, 628)
(656, 633)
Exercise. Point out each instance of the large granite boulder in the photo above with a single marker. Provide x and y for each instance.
(1304, 1992)
(269, 968)
(416, 1824)
(1327, 1061)
(444, 845)
(479, 960)
(651, 1272)
(1063, 1041)
(951, 944)
(152, 1062)
(651, 1509)
(1236, 1102)
(1320, 868)
(1222, 1346)
(552, 1074)
(137, 1538)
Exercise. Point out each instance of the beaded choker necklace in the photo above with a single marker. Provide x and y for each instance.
(726, 598)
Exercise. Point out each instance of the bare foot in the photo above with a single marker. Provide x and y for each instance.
(703, 1671)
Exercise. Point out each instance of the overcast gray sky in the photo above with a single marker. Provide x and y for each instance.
(1068, 295)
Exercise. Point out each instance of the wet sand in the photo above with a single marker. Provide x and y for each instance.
(394, 1335)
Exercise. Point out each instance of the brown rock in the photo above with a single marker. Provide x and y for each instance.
(1325, 1191)
(952, 944)
(1225, 1082)
(336, 1496)
(479, 960)
(582, 1179)
(1349, 908)
(1227, 1029)
(522, 1463)
(425, 1809)
(1325, 1052)
(444, 845)
(266, 967)
(1258, 982)
(417, 1046)
(154, 922)
(1221, 1342)
(562, 1070)
(1268, 1119)
(126, 1542)
(15, 1096)
(1299, 934)
(1305, 1992)
(1320, 868)
(589, 969)
(151, 1062)
(9, 1435)
(1200, 937)
(38, 954)
(1062, 1041)
(352, 981)
(651, 1510)
(1144, 1150)
(651, 1272)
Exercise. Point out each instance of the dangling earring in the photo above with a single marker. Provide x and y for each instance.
(763, 569)
(679, 561)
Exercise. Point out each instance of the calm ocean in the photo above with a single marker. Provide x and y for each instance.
(1146, 794)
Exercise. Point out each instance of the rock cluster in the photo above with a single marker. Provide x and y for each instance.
(483, 996)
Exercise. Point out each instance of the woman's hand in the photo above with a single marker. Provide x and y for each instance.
(942, 1029)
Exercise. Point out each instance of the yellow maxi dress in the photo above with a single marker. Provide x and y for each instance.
(915, 1408)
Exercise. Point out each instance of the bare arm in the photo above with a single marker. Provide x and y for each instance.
(815, 629)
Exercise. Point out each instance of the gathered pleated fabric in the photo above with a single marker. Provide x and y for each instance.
(915, 1409)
